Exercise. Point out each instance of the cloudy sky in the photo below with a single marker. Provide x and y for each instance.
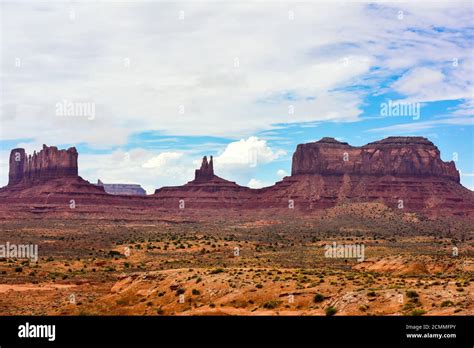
(145, 89)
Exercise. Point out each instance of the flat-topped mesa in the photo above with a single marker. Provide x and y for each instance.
(206, 172)
(397, 156)
(48, 164)
(122, 189)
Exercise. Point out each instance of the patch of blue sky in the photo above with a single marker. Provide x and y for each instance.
(7, 145)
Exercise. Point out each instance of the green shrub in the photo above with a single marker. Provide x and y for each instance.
(447, 303)
(331, 311)
(318, 298)
(412, 294)
(272, 304)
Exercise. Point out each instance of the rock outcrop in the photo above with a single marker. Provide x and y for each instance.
(206, 172)
(48, 164)
(402, 173)
(47, 175)
(207, 190)
(397, 156)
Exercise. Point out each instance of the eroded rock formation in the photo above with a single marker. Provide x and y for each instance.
(206, 190)
(206, 172)
(398, 156)
(48, 164)
(48, 175)
(399, 172)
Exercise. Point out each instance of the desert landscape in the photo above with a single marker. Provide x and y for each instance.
(212, 247)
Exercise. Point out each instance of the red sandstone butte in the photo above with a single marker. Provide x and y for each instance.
(396, 171)
(207, 190)
(50, 163)
(399, 172)
(399, 156)
(49, 171)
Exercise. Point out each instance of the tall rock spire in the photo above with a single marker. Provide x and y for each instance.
(206, 172)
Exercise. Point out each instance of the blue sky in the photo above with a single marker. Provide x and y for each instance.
(154, 86)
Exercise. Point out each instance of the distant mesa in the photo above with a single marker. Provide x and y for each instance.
(122, 189)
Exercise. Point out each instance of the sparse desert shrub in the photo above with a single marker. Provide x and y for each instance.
(216, 271)
(318, 298)
(447, 303)
(259, 286)
(371, 294)
(418, 312)
(271, 304)
(331, 311)
(412, 294)
(196, 292)
(122, 302)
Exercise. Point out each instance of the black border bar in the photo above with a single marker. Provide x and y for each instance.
(233, 330)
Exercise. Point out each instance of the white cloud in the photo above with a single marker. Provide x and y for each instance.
(249, 152)
(417, 80)
(465, 109)
(162, 160)
(225, 69)
(255, 184)
(423, 84)
(411, 127)
(281, 173)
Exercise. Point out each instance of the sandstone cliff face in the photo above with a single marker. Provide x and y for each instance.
(48, 164)
(397, 156)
